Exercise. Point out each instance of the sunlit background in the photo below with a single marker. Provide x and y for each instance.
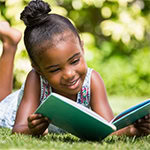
(116, 35)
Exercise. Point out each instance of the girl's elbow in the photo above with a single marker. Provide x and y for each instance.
(21, 129)
(16, 130)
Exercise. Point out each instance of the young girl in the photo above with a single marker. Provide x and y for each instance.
(57, 57)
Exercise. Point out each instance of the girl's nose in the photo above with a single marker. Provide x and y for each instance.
(68, 74)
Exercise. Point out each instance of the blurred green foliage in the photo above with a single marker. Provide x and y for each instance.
(116, 35)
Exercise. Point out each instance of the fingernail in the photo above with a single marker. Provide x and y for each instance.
(40, 115)
(46, 118)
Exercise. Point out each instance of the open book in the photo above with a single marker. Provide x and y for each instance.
(83, 122)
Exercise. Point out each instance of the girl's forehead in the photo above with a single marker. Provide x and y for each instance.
(61, 52)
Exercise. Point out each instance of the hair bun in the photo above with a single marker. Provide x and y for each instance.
(35, 13)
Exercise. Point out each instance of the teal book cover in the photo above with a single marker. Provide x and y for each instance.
(132, 114)
(83, 122)
(75, 118)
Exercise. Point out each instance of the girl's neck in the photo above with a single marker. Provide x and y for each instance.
(72, 97)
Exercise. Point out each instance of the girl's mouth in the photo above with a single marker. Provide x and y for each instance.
(73, 85)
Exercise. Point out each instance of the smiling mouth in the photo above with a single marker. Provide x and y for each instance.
(72, 83)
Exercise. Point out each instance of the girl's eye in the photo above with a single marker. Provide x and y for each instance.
(75, 61)
(55, 70)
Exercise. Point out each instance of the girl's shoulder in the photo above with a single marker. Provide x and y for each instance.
(96, 77)
(97, 86)
(92, 76)
(42, 82)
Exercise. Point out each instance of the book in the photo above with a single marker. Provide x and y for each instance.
(85, 123)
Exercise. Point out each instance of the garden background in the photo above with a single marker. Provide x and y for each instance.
(116, 35)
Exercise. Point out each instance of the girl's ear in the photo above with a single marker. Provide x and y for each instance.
(36, 68)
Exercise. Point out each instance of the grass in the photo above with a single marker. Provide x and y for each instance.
(70, 142)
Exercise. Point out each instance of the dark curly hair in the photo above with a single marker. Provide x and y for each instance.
(42, 27)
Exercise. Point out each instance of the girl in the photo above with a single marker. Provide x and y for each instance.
(57, 57)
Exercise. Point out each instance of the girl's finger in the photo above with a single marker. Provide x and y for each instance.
(145, 120)
(146, 117)
(37, 122)
(34, 116)
(39, 129)
(144, 130)
(145, 125)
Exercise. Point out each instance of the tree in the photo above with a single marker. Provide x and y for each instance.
(116, 37)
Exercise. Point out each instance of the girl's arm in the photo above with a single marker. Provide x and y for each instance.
(100, 105)
(99, 102)
(139, 128)
(26, 122)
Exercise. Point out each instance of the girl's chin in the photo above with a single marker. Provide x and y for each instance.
(71, 94)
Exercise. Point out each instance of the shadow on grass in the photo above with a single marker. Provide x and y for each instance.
(67, 138)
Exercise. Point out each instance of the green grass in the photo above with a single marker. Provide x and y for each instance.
(69, 142)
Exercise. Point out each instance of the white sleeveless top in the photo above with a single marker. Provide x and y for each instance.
(83, 96)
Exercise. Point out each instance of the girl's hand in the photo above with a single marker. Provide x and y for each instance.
(139, 128)
(38, 124)
(143, 125)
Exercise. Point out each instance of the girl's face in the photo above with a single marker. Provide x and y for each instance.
(64, 67)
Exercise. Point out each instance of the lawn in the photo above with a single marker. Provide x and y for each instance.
(70, 142)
